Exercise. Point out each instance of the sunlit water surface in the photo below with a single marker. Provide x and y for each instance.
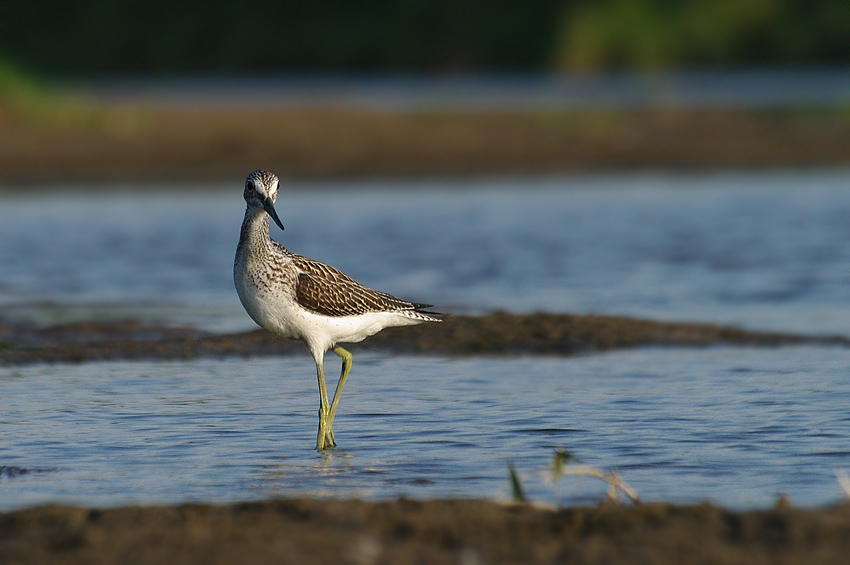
(764, 251)
(734, 426)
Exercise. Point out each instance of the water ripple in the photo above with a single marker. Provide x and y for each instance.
(733, 426)
(762, 250)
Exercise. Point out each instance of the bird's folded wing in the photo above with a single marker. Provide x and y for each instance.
(325, 290)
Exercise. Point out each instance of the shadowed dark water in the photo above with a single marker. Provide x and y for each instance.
(734, 426)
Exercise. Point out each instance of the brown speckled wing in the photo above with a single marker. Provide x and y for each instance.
(327, 291)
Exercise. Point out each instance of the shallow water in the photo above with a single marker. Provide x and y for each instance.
(758, 250)
(734, 426)
(712, 89)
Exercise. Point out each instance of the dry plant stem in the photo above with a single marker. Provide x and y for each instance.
(613, 479)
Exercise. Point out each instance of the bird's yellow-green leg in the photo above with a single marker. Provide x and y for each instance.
(324, 439)
(327, 411)
(346, 367)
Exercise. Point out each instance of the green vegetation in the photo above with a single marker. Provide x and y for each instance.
(159, 36)
(21, 95)
(24, 98)
(101, 36)
(516, 485)
(662, 34)
(16, 88)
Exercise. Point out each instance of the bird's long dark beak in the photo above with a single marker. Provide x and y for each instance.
(269, 208)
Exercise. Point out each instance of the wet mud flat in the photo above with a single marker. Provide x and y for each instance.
(489, 334)
(439, 531)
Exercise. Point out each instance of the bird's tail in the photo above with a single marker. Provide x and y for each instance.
(420, 312)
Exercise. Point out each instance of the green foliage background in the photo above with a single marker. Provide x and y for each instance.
(85, 37)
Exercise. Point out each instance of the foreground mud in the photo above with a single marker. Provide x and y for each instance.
(490, 334)
(404, 531)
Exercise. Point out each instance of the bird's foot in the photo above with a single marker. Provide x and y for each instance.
(325, 438)
(326, 442)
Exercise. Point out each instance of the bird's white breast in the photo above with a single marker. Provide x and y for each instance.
(270, 305)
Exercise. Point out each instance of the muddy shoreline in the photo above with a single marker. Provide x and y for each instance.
(489, 334)
(438, 531)
(126, 144)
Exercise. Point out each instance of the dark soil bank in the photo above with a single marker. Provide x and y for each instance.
(490, 334)
(404, 531)
(128, 145)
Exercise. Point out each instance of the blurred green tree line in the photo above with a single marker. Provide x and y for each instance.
(80, 37)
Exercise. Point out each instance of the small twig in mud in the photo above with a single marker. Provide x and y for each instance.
(613, 479)
(561, 466)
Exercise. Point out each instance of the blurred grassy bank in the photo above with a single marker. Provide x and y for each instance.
(44, 138)
(42, 141)
(48, 137)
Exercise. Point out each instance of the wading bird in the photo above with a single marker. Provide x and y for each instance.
(298, 298)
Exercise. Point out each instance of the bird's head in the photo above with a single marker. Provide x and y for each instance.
(261, 193)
